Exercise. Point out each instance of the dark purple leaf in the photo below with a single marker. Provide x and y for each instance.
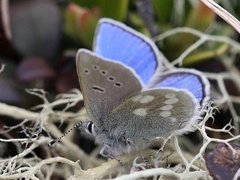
(231, 87)
(67, 75)
(222, 163)
(9, 92)
(32, 69)
(67, 81)
(35, 27)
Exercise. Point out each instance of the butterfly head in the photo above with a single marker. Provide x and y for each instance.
(112, 145)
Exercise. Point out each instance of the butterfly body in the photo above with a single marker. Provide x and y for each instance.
(128, 105)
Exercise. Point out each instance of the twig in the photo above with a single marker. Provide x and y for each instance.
(163, 172)
(229, 18)
(6, 18)
(2, 67)
(33, 170)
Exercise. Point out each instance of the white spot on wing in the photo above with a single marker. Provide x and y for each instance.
(170, 95)
(143, 99)
(140, 112)
(173, 119)
(146, 99)
(165, 113)
(137, 98)
(171, 101)
(166, 107)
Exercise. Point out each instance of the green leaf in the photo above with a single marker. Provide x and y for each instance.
(200, 17)
(205, 55)
(163, 9)
(88, 3)
(114, 9)
(80, 23)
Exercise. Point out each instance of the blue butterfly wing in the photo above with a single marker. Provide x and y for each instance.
(191, 80)
(118, 42)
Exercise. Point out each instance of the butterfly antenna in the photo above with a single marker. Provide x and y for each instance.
(64, 134)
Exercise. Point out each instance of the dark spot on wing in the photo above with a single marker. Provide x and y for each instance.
(98, 89)
(111, 78)
(118, 84)
(86, 71)
(95, 67)
(103, 72)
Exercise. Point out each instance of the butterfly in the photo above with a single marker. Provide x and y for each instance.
(128, 98)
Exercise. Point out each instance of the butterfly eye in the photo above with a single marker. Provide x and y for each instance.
(118, 84)
(90, 127)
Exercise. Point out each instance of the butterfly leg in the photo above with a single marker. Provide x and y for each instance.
(108, 153)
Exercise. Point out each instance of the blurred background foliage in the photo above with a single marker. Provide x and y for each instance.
(39, 38)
